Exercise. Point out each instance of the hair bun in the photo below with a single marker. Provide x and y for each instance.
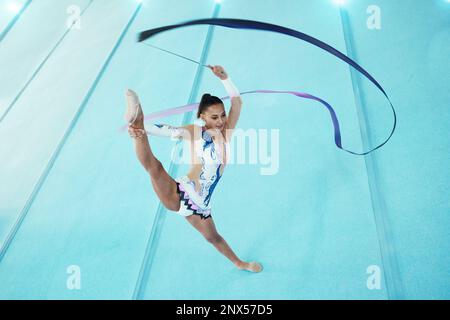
(206, 96)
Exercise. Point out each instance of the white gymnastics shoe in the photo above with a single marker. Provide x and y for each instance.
(134, 110)
(252, 267)
(255, 267)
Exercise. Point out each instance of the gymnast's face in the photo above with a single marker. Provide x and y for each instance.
(215, 117)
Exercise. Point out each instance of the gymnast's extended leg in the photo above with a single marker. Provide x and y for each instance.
(163, 184)
(208, 229)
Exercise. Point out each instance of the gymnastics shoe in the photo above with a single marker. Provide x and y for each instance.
(134, 111)
(252, 267)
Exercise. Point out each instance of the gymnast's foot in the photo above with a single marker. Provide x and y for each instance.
(134, 115)
(249, 266)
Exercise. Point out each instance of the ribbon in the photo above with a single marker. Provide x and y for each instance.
(262, 26)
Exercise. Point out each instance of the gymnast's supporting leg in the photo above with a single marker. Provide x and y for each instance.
(163, 184)
(208, 229)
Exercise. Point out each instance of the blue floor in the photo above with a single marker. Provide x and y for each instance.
(74, 197)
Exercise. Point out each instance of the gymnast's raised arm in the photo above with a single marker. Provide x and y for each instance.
(233, 92)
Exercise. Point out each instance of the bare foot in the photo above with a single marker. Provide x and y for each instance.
(252, 266)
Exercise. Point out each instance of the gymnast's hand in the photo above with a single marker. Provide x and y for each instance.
(219, 72)
(136, 133)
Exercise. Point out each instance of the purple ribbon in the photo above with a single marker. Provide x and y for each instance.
(194, 106)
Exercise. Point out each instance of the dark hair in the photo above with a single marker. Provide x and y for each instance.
(207, 101)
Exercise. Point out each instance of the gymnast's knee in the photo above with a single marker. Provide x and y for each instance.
(214, 239)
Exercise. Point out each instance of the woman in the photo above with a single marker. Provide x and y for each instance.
(190, 195)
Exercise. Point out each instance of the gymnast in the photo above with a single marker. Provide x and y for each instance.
(190, 195)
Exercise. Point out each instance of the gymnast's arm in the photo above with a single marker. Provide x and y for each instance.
(235, 112)
(175, 133)
(233, 92)
(168, 131)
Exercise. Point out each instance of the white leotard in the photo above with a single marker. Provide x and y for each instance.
(211, 157)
